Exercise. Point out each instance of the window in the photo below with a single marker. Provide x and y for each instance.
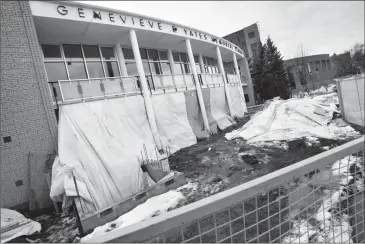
(111, 69)
(290, 76)
(251, 34)
(182, 63)
(91, 52)
(247, 99)
(76, 70)
(56, 71)
(229, 68)
(72, 61)
(51, 51)
(72, 51)
(210, 65)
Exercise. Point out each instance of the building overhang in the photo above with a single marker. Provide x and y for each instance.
(73, 22)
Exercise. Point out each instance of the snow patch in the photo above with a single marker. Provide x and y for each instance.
(152, 207)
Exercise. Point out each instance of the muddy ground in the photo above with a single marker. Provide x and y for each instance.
(219, 161)
(215, 164)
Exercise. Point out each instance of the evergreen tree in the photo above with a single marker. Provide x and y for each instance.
(276, 79)
(258, 72)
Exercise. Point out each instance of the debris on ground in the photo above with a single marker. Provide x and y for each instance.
(285, 120)
(14, 224)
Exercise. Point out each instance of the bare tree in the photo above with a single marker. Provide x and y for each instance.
(302, 65)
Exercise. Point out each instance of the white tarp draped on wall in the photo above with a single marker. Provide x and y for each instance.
(172, 120)
(219, 107)
(100, 142)
(238, 101)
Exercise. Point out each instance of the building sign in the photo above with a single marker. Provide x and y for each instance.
(97, 16)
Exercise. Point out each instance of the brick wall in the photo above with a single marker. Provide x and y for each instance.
(27, 115)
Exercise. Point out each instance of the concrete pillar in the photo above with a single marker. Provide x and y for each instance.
(239, 77)
(201, 63)
(145, 91)
(221, 70)
(197, 84)
(171, 60)
(121, 60)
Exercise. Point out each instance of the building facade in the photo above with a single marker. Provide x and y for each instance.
(248, 39)
(56, 53)
(309, 72)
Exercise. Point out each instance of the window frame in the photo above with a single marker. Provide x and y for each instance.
(83, 60)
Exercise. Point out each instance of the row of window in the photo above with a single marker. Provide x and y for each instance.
(71, 61)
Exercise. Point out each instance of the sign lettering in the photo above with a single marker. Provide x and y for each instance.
(113, 17)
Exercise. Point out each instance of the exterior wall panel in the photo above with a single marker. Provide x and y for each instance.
(27, 115)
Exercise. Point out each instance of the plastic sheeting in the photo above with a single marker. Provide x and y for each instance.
(172, 120)
(99, 142)
(15, 225)
(195, 115)
(212, 123)
(286, 120)
(238, 101)
(219, 107)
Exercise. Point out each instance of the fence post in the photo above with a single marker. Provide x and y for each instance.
(339, 93)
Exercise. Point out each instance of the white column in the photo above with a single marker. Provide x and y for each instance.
(240, 89)
(171, 60)
(145, 91)
(197, 84)
(121, 60)
(201, 63)
(221, 70)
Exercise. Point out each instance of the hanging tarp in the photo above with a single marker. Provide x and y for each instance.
(238, 101)
(219, 107)
(172, 120)
(99, 142)
(195, 115)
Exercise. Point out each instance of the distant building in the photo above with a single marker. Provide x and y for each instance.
(309, 72)
(342, 64)
(248, 39)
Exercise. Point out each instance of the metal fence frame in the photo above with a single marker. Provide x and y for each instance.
(180, 218)
(341, 98)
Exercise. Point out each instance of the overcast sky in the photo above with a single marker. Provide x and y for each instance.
(320, 26)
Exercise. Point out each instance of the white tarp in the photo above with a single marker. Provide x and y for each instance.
(237, 101)
(15, 225)
(99, 142)
(286, 120)
(172, 120)
(219, 107)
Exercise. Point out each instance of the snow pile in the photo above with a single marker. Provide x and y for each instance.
(323, 89)
(151, 208)
(14, 224)
(278, 144)
(332, 224)
(285, 120)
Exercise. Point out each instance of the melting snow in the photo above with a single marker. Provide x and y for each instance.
(152, 207)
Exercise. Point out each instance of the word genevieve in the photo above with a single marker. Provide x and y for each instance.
(61, 9)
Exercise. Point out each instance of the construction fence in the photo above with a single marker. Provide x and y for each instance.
(351, 98)
(317, 200)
